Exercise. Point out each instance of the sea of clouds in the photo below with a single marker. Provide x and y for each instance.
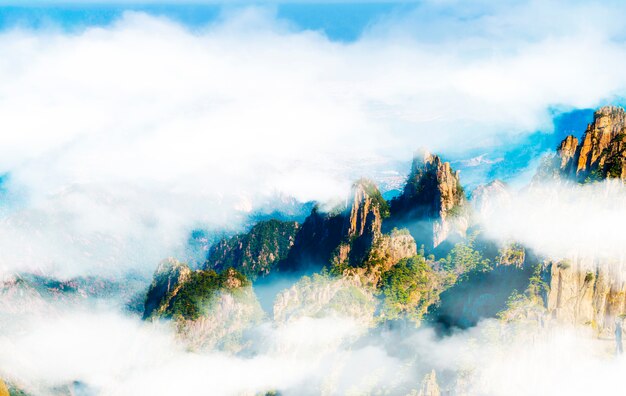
(120, 139)
(116, 141)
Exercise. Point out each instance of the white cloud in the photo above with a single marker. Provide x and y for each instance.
(184, 127)
(116, 355)
(563, 220)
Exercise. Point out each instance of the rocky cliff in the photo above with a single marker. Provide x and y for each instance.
(209, 309)
(257, 252)
(430, 387)
(601, 153)
(4, 390)
(362, 224)
(433, 203)
(343, 237)
(169, 277)
(586, 291)
(322, 295)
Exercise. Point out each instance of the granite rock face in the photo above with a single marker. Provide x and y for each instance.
(601, 153)
(393, 247)
(4, 390)
(321, 296)
(362, 228)
(209, 309)
(429, 386)
(587, 291)
(169, 277)
(433, 204)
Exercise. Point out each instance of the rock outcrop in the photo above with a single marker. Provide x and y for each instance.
(362, 224)
(320, 296)
(4, 391)
(601, 153)
(169, 277)
(433, 203)
(587, 292)
(257, 252)
(209, 309)
(393, 247)
(430, 387)
(343, 237)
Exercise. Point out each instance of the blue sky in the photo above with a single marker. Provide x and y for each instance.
(339, 21)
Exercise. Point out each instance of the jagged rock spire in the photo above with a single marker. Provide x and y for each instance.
(429, 386)
(433, 194)
(602, 151)
(363, 222)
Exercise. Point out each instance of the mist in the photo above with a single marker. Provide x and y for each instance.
(118, 141)
(106, 353)
(561, 220)
(146, 130)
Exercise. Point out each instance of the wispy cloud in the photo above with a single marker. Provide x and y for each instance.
(184, 126)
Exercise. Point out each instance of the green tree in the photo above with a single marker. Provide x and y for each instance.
(409, 288)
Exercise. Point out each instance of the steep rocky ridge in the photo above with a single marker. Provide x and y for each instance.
(601, 153)
(362, 224)
(586, 291)
(169, 277)
(343, 237)
(433, 203)
(589, 290)
(257, 252)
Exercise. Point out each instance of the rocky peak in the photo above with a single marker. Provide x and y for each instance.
(602, 151)
(586, 291)
(567, 150)
(429, 386)
(363, 223)
(169, 276)
(432, 192)
(257, 252)
(367, 210)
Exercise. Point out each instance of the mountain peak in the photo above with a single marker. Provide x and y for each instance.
(432, 193)
(602, 151)
(610, 111)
